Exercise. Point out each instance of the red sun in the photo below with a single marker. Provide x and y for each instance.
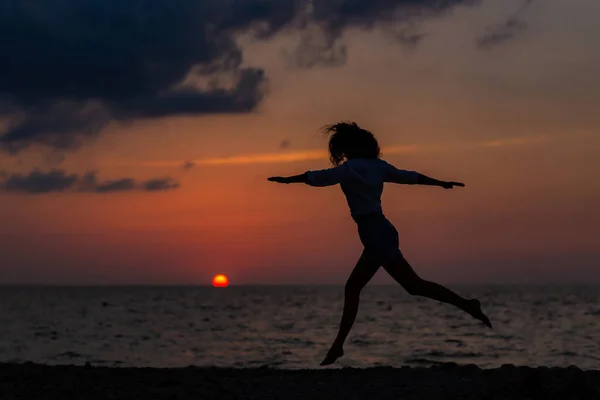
(220, 280)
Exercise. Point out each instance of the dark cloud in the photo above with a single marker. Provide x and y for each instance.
(59, 126)
(119, 185)
(318, 47)
(285, 144)
(321, 41)
(188, 165)
(56, 180)
(40, 182)
(90, 183)
(69, 68)
(497, 35)
(159, 184)
(410, 40)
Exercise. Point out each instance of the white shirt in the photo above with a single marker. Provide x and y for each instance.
(361, 180)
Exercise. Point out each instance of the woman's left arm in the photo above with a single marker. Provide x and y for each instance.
(320, 178)
(289, 179)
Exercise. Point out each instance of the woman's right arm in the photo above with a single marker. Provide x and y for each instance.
(289, 179)
(319, 178)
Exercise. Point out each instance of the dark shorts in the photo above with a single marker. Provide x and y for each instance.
(379, 237)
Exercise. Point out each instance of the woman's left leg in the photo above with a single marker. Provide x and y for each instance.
(402, 272)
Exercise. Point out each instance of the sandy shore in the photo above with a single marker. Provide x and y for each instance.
(34, 381)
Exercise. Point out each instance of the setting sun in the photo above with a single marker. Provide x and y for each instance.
(220, 280)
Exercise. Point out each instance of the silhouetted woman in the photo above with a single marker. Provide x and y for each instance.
(358, 169)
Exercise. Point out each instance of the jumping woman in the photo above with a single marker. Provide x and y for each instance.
(358, 168)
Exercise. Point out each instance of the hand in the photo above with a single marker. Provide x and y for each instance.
(278, 179)
(450, 185)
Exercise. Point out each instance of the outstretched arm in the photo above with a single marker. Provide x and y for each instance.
(289, 179)
(323, 177)
(401, 176)
(425, 180)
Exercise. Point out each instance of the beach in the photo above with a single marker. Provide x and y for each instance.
(448, 381)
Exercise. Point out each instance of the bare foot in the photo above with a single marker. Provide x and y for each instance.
(475, 311)
(332, 355)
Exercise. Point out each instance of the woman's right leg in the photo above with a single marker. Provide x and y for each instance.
(364, 270)
(403, 273)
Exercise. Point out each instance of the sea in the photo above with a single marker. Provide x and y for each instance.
(291, 327)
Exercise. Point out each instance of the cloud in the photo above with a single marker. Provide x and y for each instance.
(154, 185)
(117, 185)
(324, 22)
(497, 35)
(57, 180)
(518, 141)
(273, 158)
(265, 158)
(307, 155)
(188, 165)
(412, 40)
(39, 182)
(73, 67)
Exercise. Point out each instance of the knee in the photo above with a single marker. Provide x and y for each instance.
(414, 286)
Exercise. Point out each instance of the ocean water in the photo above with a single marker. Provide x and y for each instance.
(292, 326)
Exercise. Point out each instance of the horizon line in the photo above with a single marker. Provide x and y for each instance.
(59, 285)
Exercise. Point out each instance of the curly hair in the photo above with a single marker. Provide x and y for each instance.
(347, 140)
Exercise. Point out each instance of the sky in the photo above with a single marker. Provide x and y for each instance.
(136, 138)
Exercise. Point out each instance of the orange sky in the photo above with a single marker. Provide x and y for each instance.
(517, 123)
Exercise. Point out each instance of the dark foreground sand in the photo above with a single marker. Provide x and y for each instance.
(34, 381)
